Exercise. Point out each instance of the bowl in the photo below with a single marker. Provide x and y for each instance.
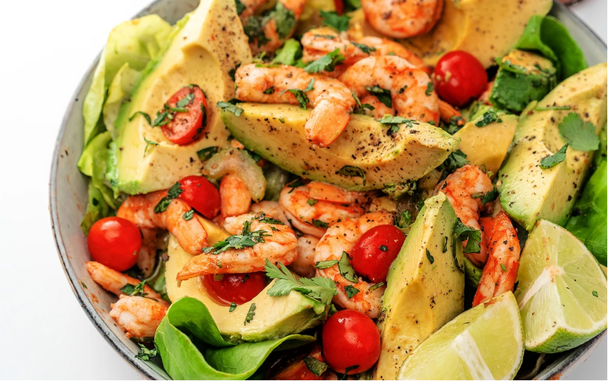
(68, 200)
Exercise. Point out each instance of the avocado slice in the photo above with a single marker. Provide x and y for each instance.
(203, 52)
(364, 157)
(528, 192)
(523, 77)
(275, 316)
(425, 286)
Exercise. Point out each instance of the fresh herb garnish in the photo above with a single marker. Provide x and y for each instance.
(173, 193)
(429, 89)
(315, 366)
(466, 233)
(247, 238)
(457, 159)
(294, 184)
(269, 90)
(383, 95)
(334, 20)
(383, 248)
(312, 201)
(376, 286)
(346, 269)
(444, 247)
(250, 314)
(351, 291)
(300, 96)
(348, 369)
(364, 48)
(231, 107)
(240, 7)
(145, 115)
(351, 171)
(185, 101)
(325, 264)
(328, 62)
(594, 293)
(487, 118)
(188, 215)
(320, 224)
(206, 153)
(488, 196)
(404, 219)
(429, 256)
(550, 108)
(148, 144)
(137, 290)
(390, 119)
(145, 353)
(319, 288)
(503, 267)
(284, 19)
(232, 307)
(553, 160)
(310, 86)
(578, 133)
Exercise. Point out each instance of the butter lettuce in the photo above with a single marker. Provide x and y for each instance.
(191, 346)
(96, 208)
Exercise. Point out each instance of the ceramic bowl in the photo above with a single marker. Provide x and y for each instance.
(68, 200)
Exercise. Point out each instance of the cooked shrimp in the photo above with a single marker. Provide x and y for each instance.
(313, 216)
(235, 198)
(278, 244)
(304, 264)
(485, 96)
(402, 19)
(263, 32)
(271, 209)
(386, 47)
(137, 315)
(112, 281)
(410, 87)
(190, 234)
(146, 258)
(447, 112)
(500, 272)
(341, 238)
(460, 187)
(332, 102)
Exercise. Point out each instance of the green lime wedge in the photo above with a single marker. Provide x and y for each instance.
(561, 291)
(484, 342)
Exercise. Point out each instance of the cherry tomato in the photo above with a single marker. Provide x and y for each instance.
(297, 368)
(234, 288)
(186, 127)
(339, 4)
(459, 78)
(376, 250)
(350, 339)
(114, 242)
(201, 195)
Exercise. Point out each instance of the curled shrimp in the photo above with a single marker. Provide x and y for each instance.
(265, 35)
(410, 88)
(235, 198)
(460, 187)
(447, 112)
(304, 265)
(190, 234)
(332, 102)
(500, 272)
(278, 244)
(138, 316)
(402, 19)
(341, 238)
(312, 208)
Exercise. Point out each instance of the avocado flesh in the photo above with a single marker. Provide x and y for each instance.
(276, 132)
(529, 193)
(203, 52)
(421, 296)
(275, 316)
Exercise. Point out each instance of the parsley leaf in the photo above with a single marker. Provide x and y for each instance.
(146, 116)
(247, 238)
(232, 307)
(300, 96)
(351, 171)
(390, 119)
(348, 369)
(320, 289)
(404, 219)
(325, 264)
(328, 62)
(226, 106)
(429, 89)
(206, 153)
(173, 193)
(488, 196)
(269, 90)
(457, 159)
(289, 53)
(383, 95)
(284, 19)
(429, 256)
(137, 290)
(364, 48)
(334, 20)
(310, 86)
(579, 134)
(555, 159)
(188, 215)
(351, 291)
(594, 293)
(346, 270)
(250, 314)
(487, 118)
(312, 201)
(240, 7)
(320, 224)
(466, 233)
(315, 366)
(145, 353)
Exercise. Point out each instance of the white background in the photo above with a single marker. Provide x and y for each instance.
(45, 48)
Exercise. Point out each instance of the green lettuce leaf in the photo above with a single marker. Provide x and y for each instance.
(93, 163)
(119, 91)
(191, 346)
(97, 208)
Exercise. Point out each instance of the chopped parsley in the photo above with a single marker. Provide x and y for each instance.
(429, 256)
(269, 90)
(348, 369)
(284, 19)
(320, 224)
(578, 133)
(364, 48)
(247, 238)
(145, 353)
(457, 159)
(488, 196)
(250, 314)
(351, 291)
(137, 290)
(550, 108)
(173, 193)
(325, 264)
(553, 160)
(594, 293)
(319, 288)
(232, 307)
(188, 215)
(240, 7)
(294, 184)
(444, 247)
(383, 95)
(404, 219)
(487, 118)
(466, 233)
(383, 248)
(315, 366)
(312, 201)
(334, 20)
(346, 270)
(300, 96)
(390, 119)
(351, 171)
(429, 89)
(310, 86)
(328, 62)
(206, 153)
(503, 267)
(145, 115)
(230, 107)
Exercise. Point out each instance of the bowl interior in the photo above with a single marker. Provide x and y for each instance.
(68, 199)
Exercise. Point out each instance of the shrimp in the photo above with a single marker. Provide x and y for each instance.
(341, 238)
(314, 215)
(410, 88)
(304, 264)
(271, 209)
(146, 258)
(138, 316)
(331, 100)
(447, 113)
(265, 35)
(190, 234)
(484, 98)
(113, 281)
(500, 272)
(278, 244)
(402, 19)
(235, 198)
(460, 187)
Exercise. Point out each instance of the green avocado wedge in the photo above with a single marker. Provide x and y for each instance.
(187, 322)
(364, 157)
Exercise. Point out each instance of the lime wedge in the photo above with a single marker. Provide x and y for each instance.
(561, 291)
(484, 342)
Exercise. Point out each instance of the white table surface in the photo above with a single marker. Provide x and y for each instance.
(45, 48)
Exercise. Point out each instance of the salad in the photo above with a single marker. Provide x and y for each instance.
(349, 189)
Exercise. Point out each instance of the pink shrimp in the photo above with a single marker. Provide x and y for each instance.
(402, 19)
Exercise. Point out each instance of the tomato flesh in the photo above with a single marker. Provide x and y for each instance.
(350, 339)
(298, 370)
(114, 242)
(459, 78)
(234, 288)
(339, 4)
(187, 126)
(376, 250)
(201, 195)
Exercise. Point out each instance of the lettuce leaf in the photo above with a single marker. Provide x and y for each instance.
(97, 208)
(93, 163)
(119, 91)
(191, 346)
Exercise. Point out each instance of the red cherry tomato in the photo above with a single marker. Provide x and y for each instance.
(298, 370)
(234, 288)
(187, 127)
(376, 250)
(350, 339)
(339, 4)
(459, 78)
(114, 242)
(201, 195)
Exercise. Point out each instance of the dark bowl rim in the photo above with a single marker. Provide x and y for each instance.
(140, 366)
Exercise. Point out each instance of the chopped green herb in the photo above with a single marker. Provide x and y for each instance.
(390, 119)
(364, 48)
(594, 293)
(351, 291)
(352, 171)
(300, 96)
(328, 62)
(232, 307)
(346, 270)
(444, 247)
(334, 20)
(312, 201)
(503, 267)
(226, 106)
(137, 290)
(429, 256)
(557, 108)
(319, 288)
(487, 118)
(348, 369)
(145, 353)
(325, 264)
(429, 89)
(294, 184)
(578, 133)
(310, 86)
(555, 159)
(383, 248)
(376, 286)
(148, 144)
(320, 224)
(315, 366)
(146, 116)
(488, 196)
(466, 233)
(173, 193)
(247, 238)
(457, 159)
(281, 120)
(250, 314)
(185, 101)
(240, 7)
(206, 153)
(383, 95)
(188, 215)
(269, 90)
(404, 219)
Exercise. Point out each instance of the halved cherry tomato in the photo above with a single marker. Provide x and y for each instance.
(186, 126)
(376, 250)
(350, 340)
(459, 78)
(114, 242)
(339, 4)
(297, 368)
(201, 195)
(234, 288)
